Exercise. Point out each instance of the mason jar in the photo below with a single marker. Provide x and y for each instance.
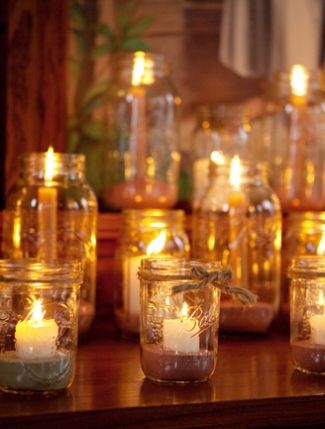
(51, 214)
(239, 223)
(159, 233)
(289, 137)
(38, 330)
(142, 150)
(179, 319)
(307, 313)
(302, 235)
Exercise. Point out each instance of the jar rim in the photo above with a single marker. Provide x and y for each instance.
(307, 266)
(176, 268)
(40, 271)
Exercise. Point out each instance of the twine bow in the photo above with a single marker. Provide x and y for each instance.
(218, 279)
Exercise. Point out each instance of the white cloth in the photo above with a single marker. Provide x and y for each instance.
(259, 37)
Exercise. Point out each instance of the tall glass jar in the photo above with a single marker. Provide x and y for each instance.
(158, 233)
(142, 164)
(290, 138)
(307, 313)
(302, 235)
(38, 329)
(179, 329)
(51, 214)
(239, 223)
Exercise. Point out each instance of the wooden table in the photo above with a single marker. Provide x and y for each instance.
(254, 386)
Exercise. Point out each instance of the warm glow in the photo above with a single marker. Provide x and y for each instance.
(157, 245)
(142, 70)
(49, 165)
(184, 311)
(217, 157)
(299, 80)
(235, 169)
(321, 245)
(16, 233)
(37, 313)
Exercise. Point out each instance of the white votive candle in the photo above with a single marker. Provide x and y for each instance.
(317, 327)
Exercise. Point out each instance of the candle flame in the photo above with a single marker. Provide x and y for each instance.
(235, 170)
(321, 245)
(217, 157)
(142, 70)
(49, 165)
(184, 311)
(37, 313)
(299, 80)
(157, 244)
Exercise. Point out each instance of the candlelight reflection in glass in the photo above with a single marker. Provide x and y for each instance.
(158, 233)
(239, 223)
(303, 234)
(307, 313)
(179, 330)
(51, 214)
(38, 335)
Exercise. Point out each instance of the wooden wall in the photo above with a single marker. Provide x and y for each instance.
(35, 52)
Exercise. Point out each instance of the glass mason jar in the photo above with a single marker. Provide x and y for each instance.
(38, 330)
(302, 235)
(307, 313)
(51, 214)
(239, 223)
(179, 329)
(144, 232)
(290, 138)
(142, 154)
(224, 133)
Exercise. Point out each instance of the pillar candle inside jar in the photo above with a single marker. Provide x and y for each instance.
(181, 334)
(35, 336)
(47, 216)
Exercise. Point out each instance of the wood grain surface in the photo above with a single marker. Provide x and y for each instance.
(254, 386)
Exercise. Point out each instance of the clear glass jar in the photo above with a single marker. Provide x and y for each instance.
(290, 138)
(307, 313)
(142, 164)
(144, 232)
(54, 218)
(179, 329)
(224, 133)
(302, 235)
(38, 330)
(239, 223)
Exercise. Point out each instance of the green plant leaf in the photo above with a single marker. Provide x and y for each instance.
(80, 41)
(72, 121)
(74, 68)
(73, 141)
(98, 88)
(101, 50)
(93, 130)
(92, 104)
(137, 27)
(124, 14)
(77, 14)
(103, 29)
(134, 45)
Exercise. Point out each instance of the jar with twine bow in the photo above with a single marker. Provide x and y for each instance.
(180, 307)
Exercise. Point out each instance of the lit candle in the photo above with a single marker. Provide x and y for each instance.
(35, 336)
(47, 215)
(299, 85)
(181, 334)
(131, 266)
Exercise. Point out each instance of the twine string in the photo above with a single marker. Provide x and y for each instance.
(219, 279)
